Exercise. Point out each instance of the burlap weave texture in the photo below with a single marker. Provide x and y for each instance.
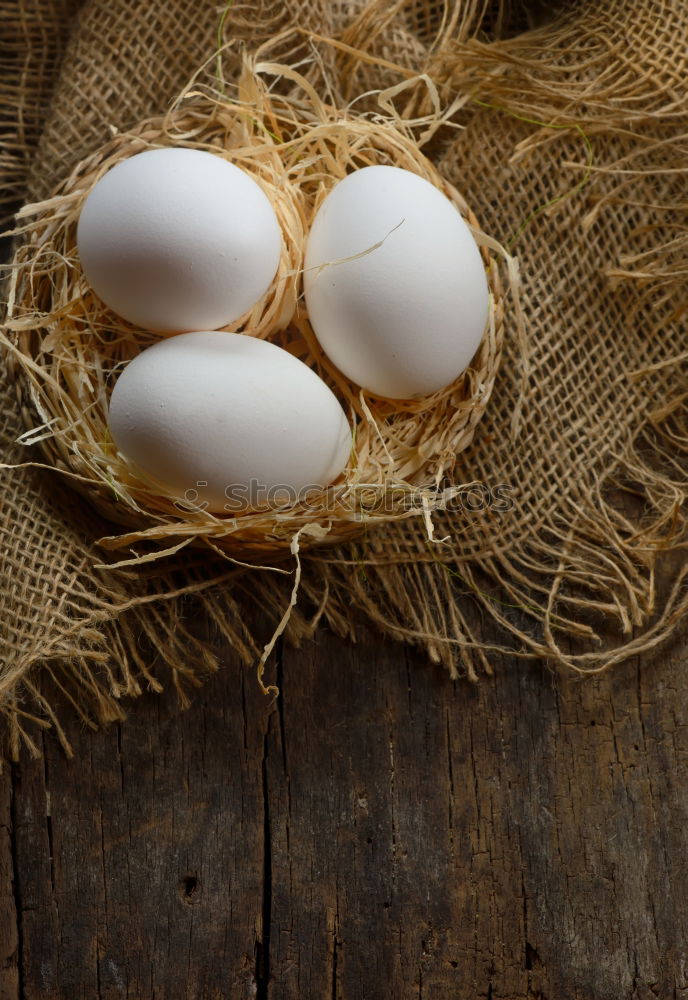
(572, 152)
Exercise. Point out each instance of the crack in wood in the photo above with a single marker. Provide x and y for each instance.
(16, 879)
(48, 818)
(262, 969)
(334, 961)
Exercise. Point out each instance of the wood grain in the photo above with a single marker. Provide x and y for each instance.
(378, 832)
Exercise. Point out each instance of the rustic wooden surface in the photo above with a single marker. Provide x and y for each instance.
(380, 832)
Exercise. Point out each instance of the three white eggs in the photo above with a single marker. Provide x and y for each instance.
(182, 241)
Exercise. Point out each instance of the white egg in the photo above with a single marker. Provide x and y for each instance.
(178, 239)
(406, 318)
(224, 421)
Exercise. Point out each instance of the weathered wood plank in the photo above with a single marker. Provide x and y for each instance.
(9, 931)
(155, 888)
(379, 832)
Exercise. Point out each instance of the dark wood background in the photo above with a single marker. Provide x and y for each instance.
(378, 832)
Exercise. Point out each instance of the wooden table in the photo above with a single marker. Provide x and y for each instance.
(379, 832)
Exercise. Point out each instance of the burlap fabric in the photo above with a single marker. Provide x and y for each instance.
(572, 151)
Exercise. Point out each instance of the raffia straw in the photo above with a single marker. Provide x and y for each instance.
(68, 349)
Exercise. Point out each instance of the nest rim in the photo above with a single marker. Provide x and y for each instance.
(380, 427)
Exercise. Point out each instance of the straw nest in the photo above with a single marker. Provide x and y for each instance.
(67, 349)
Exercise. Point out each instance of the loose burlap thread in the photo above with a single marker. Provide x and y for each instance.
(572, 152)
